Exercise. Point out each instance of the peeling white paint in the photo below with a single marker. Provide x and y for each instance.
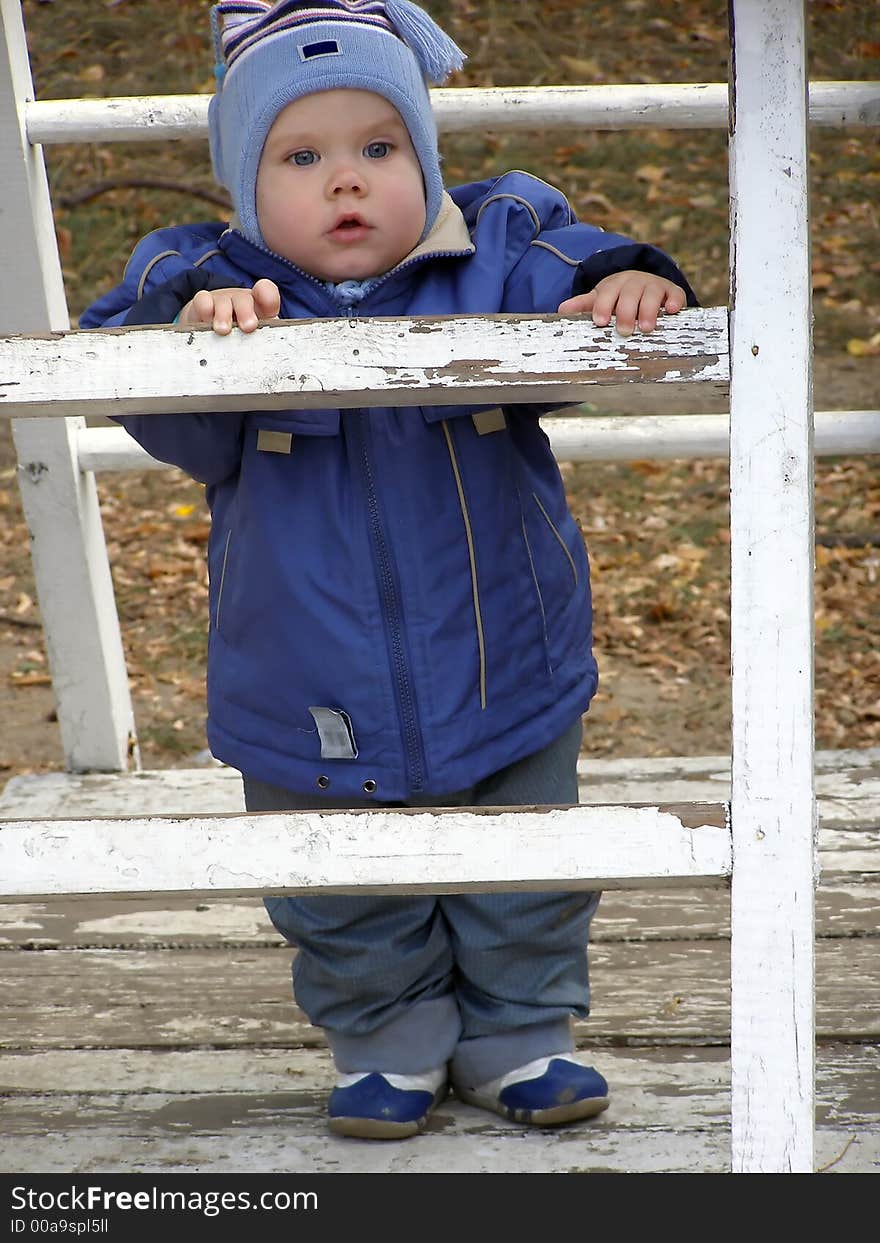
(375, 851)
(224, 919)
(446, 360)
(21, 915)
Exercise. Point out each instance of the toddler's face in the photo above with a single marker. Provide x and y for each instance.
(339, 187)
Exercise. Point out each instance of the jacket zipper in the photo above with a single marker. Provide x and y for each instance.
(392, 616)
(392, 613)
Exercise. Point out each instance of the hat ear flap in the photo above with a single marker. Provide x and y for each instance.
(436, 53)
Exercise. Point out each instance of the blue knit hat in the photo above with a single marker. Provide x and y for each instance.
(271, 53)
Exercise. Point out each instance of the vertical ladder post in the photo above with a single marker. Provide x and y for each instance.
(772, 542)
(60, 502)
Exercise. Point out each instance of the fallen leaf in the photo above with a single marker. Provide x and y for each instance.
(586, 69)
(64, 237)
(672, 224)
(653, 173)
(859, 347)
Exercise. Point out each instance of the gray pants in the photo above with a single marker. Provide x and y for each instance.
(486, 981)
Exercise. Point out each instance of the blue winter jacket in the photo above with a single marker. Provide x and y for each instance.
(399, 598)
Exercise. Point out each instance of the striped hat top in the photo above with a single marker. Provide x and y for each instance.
(246, 22)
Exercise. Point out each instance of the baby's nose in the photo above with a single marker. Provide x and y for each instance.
(346, 181)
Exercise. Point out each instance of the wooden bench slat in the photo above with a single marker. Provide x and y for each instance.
(846, 906)
(660, 993)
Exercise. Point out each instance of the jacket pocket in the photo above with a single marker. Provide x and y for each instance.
(224, 566)
(472, 561)
(555, 571)
(559, 539)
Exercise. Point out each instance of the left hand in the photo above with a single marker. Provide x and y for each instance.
(631, 297)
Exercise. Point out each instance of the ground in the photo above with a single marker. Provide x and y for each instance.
(657, 532)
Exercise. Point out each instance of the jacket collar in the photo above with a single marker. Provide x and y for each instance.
(449, 234)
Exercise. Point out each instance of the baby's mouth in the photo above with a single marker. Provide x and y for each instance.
(350, 227)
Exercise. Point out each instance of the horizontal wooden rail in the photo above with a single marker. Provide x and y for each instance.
(616, 438)
(405, 851)
(153, 118)
(318, 363)
(624, 438)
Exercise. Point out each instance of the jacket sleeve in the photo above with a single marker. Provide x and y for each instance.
(629, 256)
(163, 304)
(562, 262)
(206, 446)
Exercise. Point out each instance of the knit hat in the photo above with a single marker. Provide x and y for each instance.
(271, 52)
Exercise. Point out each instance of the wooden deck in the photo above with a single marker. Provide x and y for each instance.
(160, 1036)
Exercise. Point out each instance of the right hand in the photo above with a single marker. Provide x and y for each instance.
(224, 308)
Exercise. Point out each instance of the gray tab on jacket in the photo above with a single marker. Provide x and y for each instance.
(273, 442)
(336, 734)
(487, 421)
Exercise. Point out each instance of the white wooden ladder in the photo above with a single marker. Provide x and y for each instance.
(765, 850)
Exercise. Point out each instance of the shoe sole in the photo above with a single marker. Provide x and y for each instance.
(379, 1128)
(573, 1111)
(373, 1128)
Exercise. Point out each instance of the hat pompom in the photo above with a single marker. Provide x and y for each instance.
(438, 55)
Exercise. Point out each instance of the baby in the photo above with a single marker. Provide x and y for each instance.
(400, 605)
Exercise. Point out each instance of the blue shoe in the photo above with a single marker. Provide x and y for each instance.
(545, 1092)
(384, 1106)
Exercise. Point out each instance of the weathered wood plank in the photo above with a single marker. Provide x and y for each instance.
(669, 992)
(847, 907)
(849, 779)
(237, 1110)
(149, 118)
(848, 853)
(847, 786)
(152, 792)
(381, 851)
(442, 360)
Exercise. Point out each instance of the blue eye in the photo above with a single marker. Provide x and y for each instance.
(377, 150)
(302, 159)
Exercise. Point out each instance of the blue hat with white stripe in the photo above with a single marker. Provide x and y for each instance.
(270, 54)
